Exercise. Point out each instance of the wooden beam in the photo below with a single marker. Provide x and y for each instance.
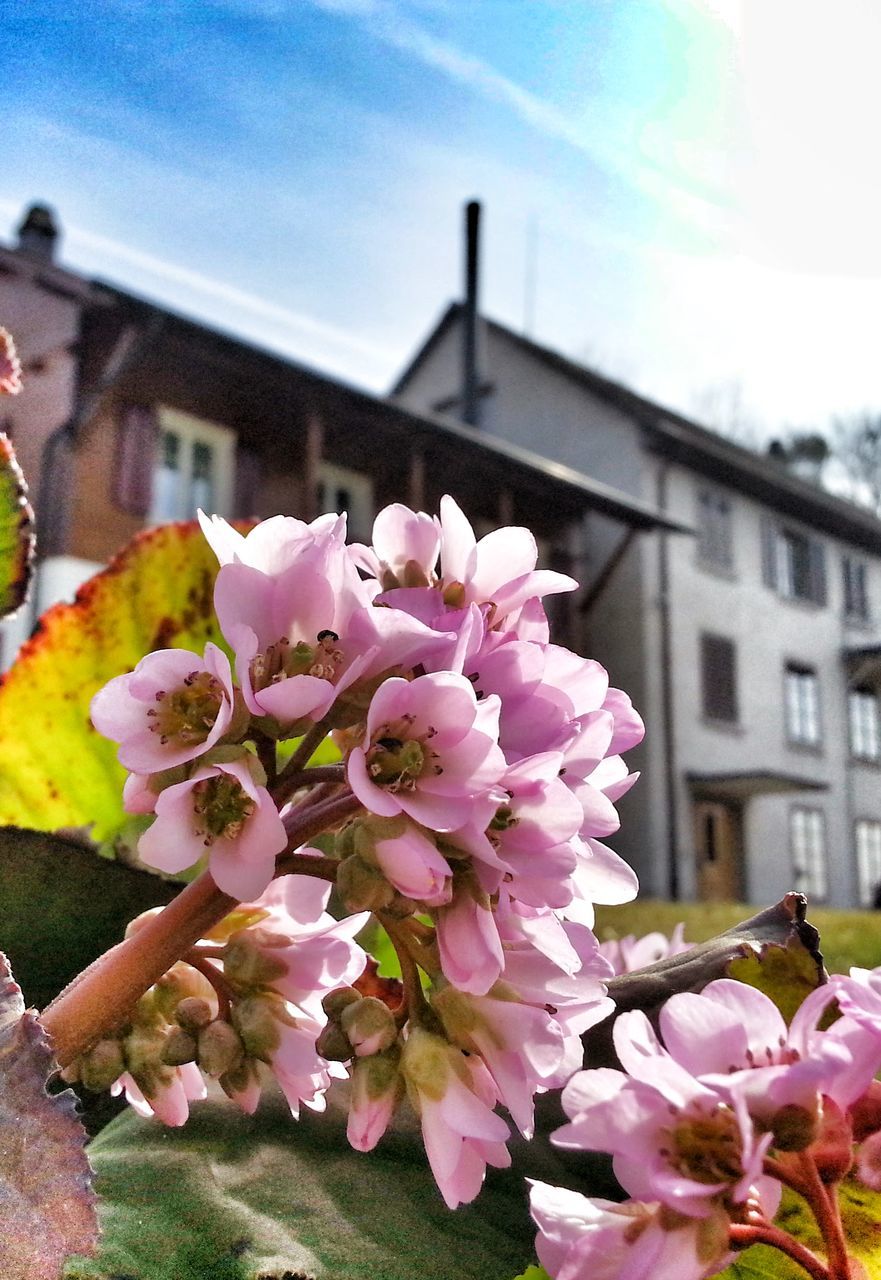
(312, 454)
(416, 481)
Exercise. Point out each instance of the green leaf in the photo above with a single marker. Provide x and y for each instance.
(48, 1206)
(231, 1197)
(861, 1215)
(786, 973)
(55, 770)
(16, 532)
(61, 906)
(533, 1273)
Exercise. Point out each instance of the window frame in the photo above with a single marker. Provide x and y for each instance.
(711, 714)
(855, 570)
(796, 715)
(797, 581)
(859, 729)
(714, 519)
(192, 432)
(362, 510)
(868, 878)
(811, 878)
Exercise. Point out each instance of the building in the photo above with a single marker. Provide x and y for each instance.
(753, 650)
(132, 415)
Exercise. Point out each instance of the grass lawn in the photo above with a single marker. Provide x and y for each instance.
(846, 937)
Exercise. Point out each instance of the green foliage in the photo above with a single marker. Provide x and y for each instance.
(533, 1273)
(55, 770)
(861, 1214)
(45, 1181)
(786, 974)
(16, 532)
(61, 906)
(231, 1197)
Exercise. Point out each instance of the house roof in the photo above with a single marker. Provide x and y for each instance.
(681, 439)
(267, 382)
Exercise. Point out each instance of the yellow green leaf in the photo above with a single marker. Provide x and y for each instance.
(56, 771)
(16, 532)
(786, 973)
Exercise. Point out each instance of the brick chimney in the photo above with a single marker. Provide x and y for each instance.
(38, 232)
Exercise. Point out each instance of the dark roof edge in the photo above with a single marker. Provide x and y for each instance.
(434, 336)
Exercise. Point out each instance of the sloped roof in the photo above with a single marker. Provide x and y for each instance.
(685, 441)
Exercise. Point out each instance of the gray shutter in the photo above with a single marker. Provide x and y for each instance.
(137, 440)
(249, 479)
(818, 571)
(769, 552)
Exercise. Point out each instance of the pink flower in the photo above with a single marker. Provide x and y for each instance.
(172, 1092)
(171, 709)
(10, 365)
(580, 1237)
(628, 954)
(404, 550)
(297, 949)
(673, 1138)
(410, 861)
(430, 752)
(454, 1096)
(521, 1045)
(377, 1088)
(468, 939)
(221, 812)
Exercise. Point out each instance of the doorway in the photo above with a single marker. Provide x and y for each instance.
(718, 842)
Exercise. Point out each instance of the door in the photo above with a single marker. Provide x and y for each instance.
(719, 850)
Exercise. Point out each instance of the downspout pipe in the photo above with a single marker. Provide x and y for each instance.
(667, 708)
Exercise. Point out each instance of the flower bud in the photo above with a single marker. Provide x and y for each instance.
(180, 1047)
(143, 1049)
(794, 1127)
(334, 1044)
(102, 1065)
(426, 1064)
(377, 1088)
(135, 926)
(247, 958)
(361, 888)
(869, 1161)
(865, 1114)
(193, 1013)
(336, 1001)
(256, 1020)
(181, 982)
(833, 1148)
(369, 1026)
(220, 1048)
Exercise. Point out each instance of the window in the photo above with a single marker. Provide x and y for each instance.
(193, 468)
(807, 833)
(719, 678)
(340, 489)
(715, 545)
(865, 740)
(868, 842)
(793, 563)
(802, 705)
(856, 596)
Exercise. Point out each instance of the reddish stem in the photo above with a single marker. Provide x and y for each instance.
(222, 988)
(104, 994)
(824, 1202)
(745, 1234)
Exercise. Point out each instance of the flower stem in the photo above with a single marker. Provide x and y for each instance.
(824, 1203)
(222, 988)
(292, 780)
(413, 995)
(745, 1234)
(102, 996)
(304, 752)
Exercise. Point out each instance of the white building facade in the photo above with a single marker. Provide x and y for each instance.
(753, 649)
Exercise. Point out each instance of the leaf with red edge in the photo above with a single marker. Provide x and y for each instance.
(55, 770)
(47, 1206)
(16, 532)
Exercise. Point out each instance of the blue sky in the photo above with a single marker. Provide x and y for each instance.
(693, 174)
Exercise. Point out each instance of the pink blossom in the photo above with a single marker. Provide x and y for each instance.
(673, 1138)
(171, 709)
(10, 365)
(271, 545)
(297, 949)
(430, 751)
(580, 1237)
(404, 550)
(468, 940)
(630, 953)
(169, 1099)
(411, 862)
(377, 1088)
(521, 1045)
(453, 1096)
(220, 811)
(303, 1075)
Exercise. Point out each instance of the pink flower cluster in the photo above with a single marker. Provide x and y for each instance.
(705, 1123)
(479, 769)
(10, 365)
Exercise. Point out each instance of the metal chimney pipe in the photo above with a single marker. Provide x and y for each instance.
(470, 394)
